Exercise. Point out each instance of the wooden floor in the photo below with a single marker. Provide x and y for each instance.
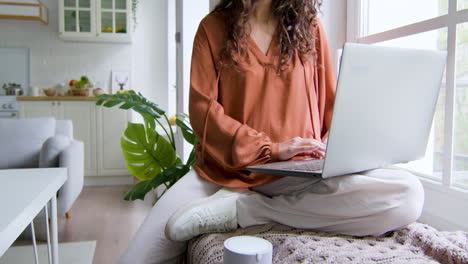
(101, 214)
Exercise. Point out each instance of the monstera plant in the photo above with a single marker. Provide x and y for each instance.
(150, 156)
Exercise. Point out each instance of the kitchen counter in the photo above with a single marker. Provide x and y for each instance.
(56, 98)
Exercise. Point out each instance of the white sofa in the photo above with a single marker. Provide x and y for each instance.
(41, 143)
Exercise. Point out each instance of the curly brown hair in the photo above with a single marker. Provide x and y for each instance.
(296, 17)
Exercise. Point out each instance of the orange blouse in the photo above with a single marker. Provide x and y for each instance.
(240, 115)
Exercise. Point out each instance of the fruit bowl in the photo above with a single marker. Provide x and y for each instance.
(50, 92)
(80, 88)
(79, 92)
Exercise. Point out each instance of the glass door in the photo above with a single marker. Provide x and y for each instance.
(77, 16)
(114, 17)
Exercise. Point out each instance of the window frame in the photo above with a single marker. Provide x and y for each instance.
(444, 190)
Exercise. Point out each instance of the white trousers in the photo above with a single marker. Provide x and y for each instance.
(369, 203)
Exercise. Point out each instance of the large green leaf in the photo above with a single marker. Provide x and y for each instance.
(129, 105)
(191, 158)
(112, 103)
(187, 132)
(146, 154)
(176, 172)
(138, 191)
(164, 152)
(171, 175)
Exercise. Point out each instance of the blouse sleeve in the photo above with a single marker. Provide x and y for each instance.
(325, 79)
(232, 144)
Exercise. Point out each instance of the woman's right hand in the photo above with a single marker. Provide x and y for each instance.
(299, 145)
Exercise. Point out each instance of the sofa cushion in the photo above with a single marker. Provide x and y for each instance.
(51, 149)
(21, 141)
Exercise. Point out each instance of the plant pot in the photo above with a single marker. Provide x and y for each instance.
(79, 92)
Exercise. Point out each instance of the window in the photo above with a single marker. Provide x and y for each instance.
(460, 162)
(462, 4)
(385, 15)
(427, 24)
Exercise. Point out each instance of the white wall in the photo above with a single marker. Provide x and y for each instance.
(171, 56)
(333, 17)
(54, 61)
(149, 52)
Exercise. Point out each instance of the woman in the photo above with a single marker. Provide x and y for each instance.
(262, 90)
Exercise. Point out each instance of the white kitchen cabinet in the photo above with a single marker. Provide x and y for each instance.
(99, 128)
(38, 109)
(111, 125)
(95, 20)
(83, 116)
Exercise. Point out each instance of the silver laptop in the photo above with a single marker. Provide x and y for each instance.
(383, 111)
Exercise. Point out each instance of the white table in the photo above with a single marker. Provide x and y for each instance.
(23, 194)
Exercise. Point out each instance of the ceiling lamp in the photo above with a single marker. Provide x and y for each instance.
(24, 10)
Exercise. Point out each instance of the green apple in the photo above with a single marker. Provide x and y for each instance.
(84, 79)
(79, 84)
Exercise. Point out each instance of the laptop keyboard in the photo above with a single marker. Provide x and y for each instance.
(313, 165)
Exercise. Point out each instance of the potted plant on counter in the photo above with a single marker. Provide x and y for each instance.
(151, 157)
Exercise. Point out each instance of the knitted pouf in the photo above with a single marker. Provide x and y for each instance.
(418, 243)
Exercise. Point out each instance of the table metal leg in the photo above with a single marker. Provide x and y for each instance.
(53, 223)
(33, 235)
(49, 253)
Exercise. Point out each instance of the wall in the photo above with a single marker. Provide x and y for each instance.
(149, 51)
(55, 61)
(171, 56)
(333, 17)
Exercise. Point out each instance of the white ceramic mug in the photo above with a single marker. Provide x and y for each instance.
(247, 250)
(35, 91)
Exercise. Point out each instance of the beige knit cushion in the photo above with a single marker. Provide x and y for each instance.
(418, 243)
